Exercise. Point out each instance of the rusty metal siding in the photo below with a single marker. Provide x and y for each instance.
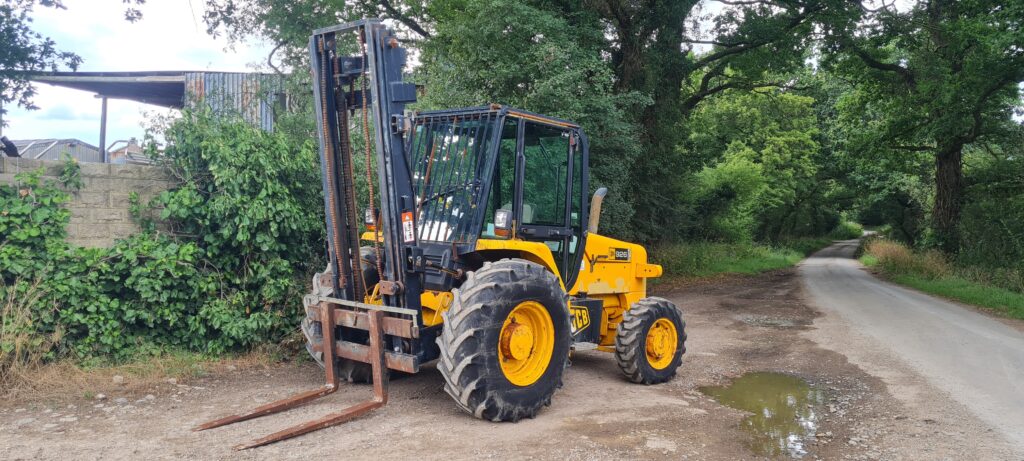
(251, 96)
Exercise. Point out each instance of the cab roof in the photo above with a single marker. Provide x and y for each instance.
(499, 108)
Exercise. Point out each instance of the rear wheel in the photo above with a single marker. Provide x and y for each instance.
(650, 341)
(505, 341)
(348, 370)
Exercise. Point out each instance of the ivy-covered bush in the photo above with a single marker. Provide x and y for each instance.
(221, 265)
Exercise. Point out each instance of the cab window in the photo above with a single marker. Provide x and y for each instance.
(546, 152)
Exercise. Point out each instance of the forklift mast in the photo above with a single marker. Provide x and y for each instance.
(371, 83)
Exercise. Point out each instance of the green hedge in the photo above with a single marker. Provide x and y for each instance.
(246, 226)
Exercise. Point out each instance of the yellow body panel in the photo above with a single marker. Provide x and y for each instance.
(618, 282)
(434, 304)
(611, 270)
(530, 251)
(615, 272)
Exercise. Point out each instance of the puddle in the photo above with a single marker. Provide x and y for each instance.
(784, 411)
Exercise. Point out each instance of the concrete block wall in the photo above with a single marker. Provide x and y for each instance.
(100, 210)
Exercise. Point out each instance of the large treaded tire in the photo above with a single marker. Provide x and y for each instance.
(348, 370)
(631, 340)
(469, 359)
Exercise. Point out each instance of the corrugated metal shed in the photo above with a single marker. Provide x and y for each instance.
(51, 149)
(252, 96)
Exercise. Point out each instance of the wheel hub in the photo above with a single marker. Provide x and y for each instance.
(525, 343)
(517, 341)
(661, 343)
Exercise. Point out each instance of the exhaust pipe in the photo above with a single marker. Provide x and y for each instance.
(595, 209)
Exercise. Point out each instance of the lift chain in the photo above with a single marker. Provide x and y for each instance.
(369, 159)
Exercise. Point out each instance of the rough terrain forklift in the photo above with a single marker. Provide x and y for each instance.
(482, 254)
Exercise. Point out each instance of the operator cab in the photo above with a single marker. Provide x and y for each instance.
(496, 173)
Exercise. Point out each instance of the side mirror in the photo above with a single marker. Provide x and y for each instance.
(595, 209)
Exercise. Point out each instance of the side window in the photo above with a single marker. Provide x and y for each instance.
(546, 149)
(504, 180)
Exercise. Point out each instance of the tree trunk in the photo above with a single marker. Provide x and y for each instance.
(630, 65)
(949, 185)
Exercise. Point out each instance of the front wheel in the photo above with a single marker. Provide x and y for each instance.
(505, 341)
(650, 341)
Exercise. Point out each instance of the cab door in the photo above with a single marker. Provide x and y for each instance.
(550, 168)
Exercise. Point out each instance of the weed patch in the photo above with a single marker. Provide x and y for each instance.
(704, 259)
(931, 272)
(68, 380)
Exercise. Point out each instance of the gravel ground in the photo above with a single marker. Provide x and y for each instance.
(736, 325)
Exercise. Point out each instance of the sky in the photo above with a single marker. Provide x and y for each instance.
(170, 36)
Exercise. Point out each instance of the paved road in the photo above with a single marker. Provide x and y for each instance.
(978, 360)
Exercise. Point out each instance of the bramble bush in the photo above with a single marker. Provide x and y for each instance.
(221, 265)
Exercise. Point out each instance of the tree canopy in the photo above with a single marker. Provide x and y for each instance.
(718, 120)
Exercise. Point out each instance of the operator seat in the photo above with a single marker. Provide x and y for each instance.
(527, 212)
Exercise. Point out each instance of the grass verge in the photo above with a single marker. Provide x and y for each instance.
(704, 259)
(931, 273)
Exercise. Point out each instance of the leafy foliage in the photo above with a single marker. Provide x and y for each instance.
(993, 219)
(704, 259)
(247, 231)
(764, 177)
(518, 54)
(847, 230)
(932, 77)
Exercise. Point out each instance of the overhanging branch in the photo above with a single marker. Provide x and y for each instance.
(905, 74)
(393, 13)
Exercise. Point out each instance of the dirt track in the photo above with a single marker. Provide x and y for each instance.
(735, 325)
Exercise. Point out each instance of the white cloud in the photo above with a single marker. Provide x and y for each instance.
(171, 36)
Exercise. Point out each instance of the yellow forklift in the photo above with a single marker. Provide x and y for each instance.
(482, 252)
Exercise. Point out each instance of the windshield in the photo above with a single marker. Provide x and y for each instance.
(449, 157)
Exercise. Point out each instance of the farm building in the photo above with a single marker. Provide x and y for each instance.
(53, 149)
(255, 97)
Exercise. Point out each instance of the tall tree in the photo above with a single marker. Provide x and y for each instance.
(935, 77)
(648, 46)
(653, 48)
(526, 56)
(776, 131)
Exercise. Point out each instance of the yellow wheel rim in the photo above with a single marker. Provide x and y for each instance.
(661, 344)
(526, 342)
